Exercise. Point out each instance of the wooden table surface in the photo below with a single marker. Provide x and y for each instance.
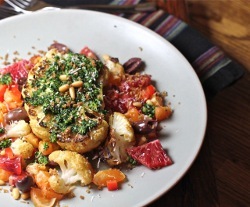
(220, 176)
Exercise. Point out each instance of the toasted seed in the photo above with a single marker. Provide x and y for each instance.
(149, 102)
(72, 92)
(64, 88)
(63, 77)
(77, 84)
(142, 140)
(137, 104)
(15, 193)
(2, 182)
(25, 196)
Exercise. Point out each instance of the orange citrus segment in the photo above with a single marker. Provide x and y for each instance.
(102, 176)
(39, 200)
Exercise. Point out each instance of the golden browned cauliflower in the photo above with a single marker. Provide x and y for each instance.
(87, 143)
(74, 168)
(121, 137)
(17, 129)
(64, 101)
(34, 168)
(23, 148)
(116, 70)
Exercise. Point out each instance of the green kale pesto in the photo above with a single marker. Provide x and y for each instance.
(5, 143)
(69, 113)
(148, 110)
(2, 130)
(5, 79)
(40, 158)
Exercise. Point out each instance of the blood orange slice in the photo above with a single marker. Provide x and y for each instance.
(151, 154)
(18, 71)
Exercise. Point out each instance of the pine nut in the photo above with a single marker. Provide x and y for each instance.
(15, 193)
(137, 104)
(2, 182)
(25, 196)
(72, 92)
(149, 102)
(63, 77)
(77, 84)
(64, 88)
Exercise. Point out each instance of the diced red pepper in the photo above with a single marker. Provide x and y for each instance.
(9, 153)
(112, 185)
(13, 97)
(16, 92)
(88, 53)
(148, 92)
(2, 91)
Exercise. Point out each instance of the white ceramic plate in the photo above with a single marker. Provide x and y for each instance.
(181, 136)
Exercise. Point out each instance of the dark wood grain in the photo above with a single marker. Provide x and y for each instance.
(225, 23)
(179, 8)
(220, 176)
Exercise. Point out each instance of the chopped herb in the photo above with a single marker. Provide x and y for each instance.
(132, 161)
(5, 79)
(2, 130)
(41, 159)
(5, 143)
(84, 127)
(148, 110)
(66, 115)
(45, 146)
(53, 137)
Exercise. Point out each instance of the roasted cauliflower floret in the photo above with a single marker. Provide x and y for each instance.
(36, 115)
(121, 137)
(23, 148)
(57, 183)
(50, 178)
(34, 168)
(64, 100)
(17, 129)
(74, 167)
(116, 70)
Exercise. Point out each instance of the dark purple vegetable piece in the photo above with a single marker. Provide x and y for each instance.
(145, 127)
(114, 60)
(60, 47)
(25, 183)
(21, 81)
(16, 115)
(133, 65)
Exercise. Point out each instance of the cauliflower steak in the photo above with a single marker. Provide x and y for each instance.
(64, 101)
